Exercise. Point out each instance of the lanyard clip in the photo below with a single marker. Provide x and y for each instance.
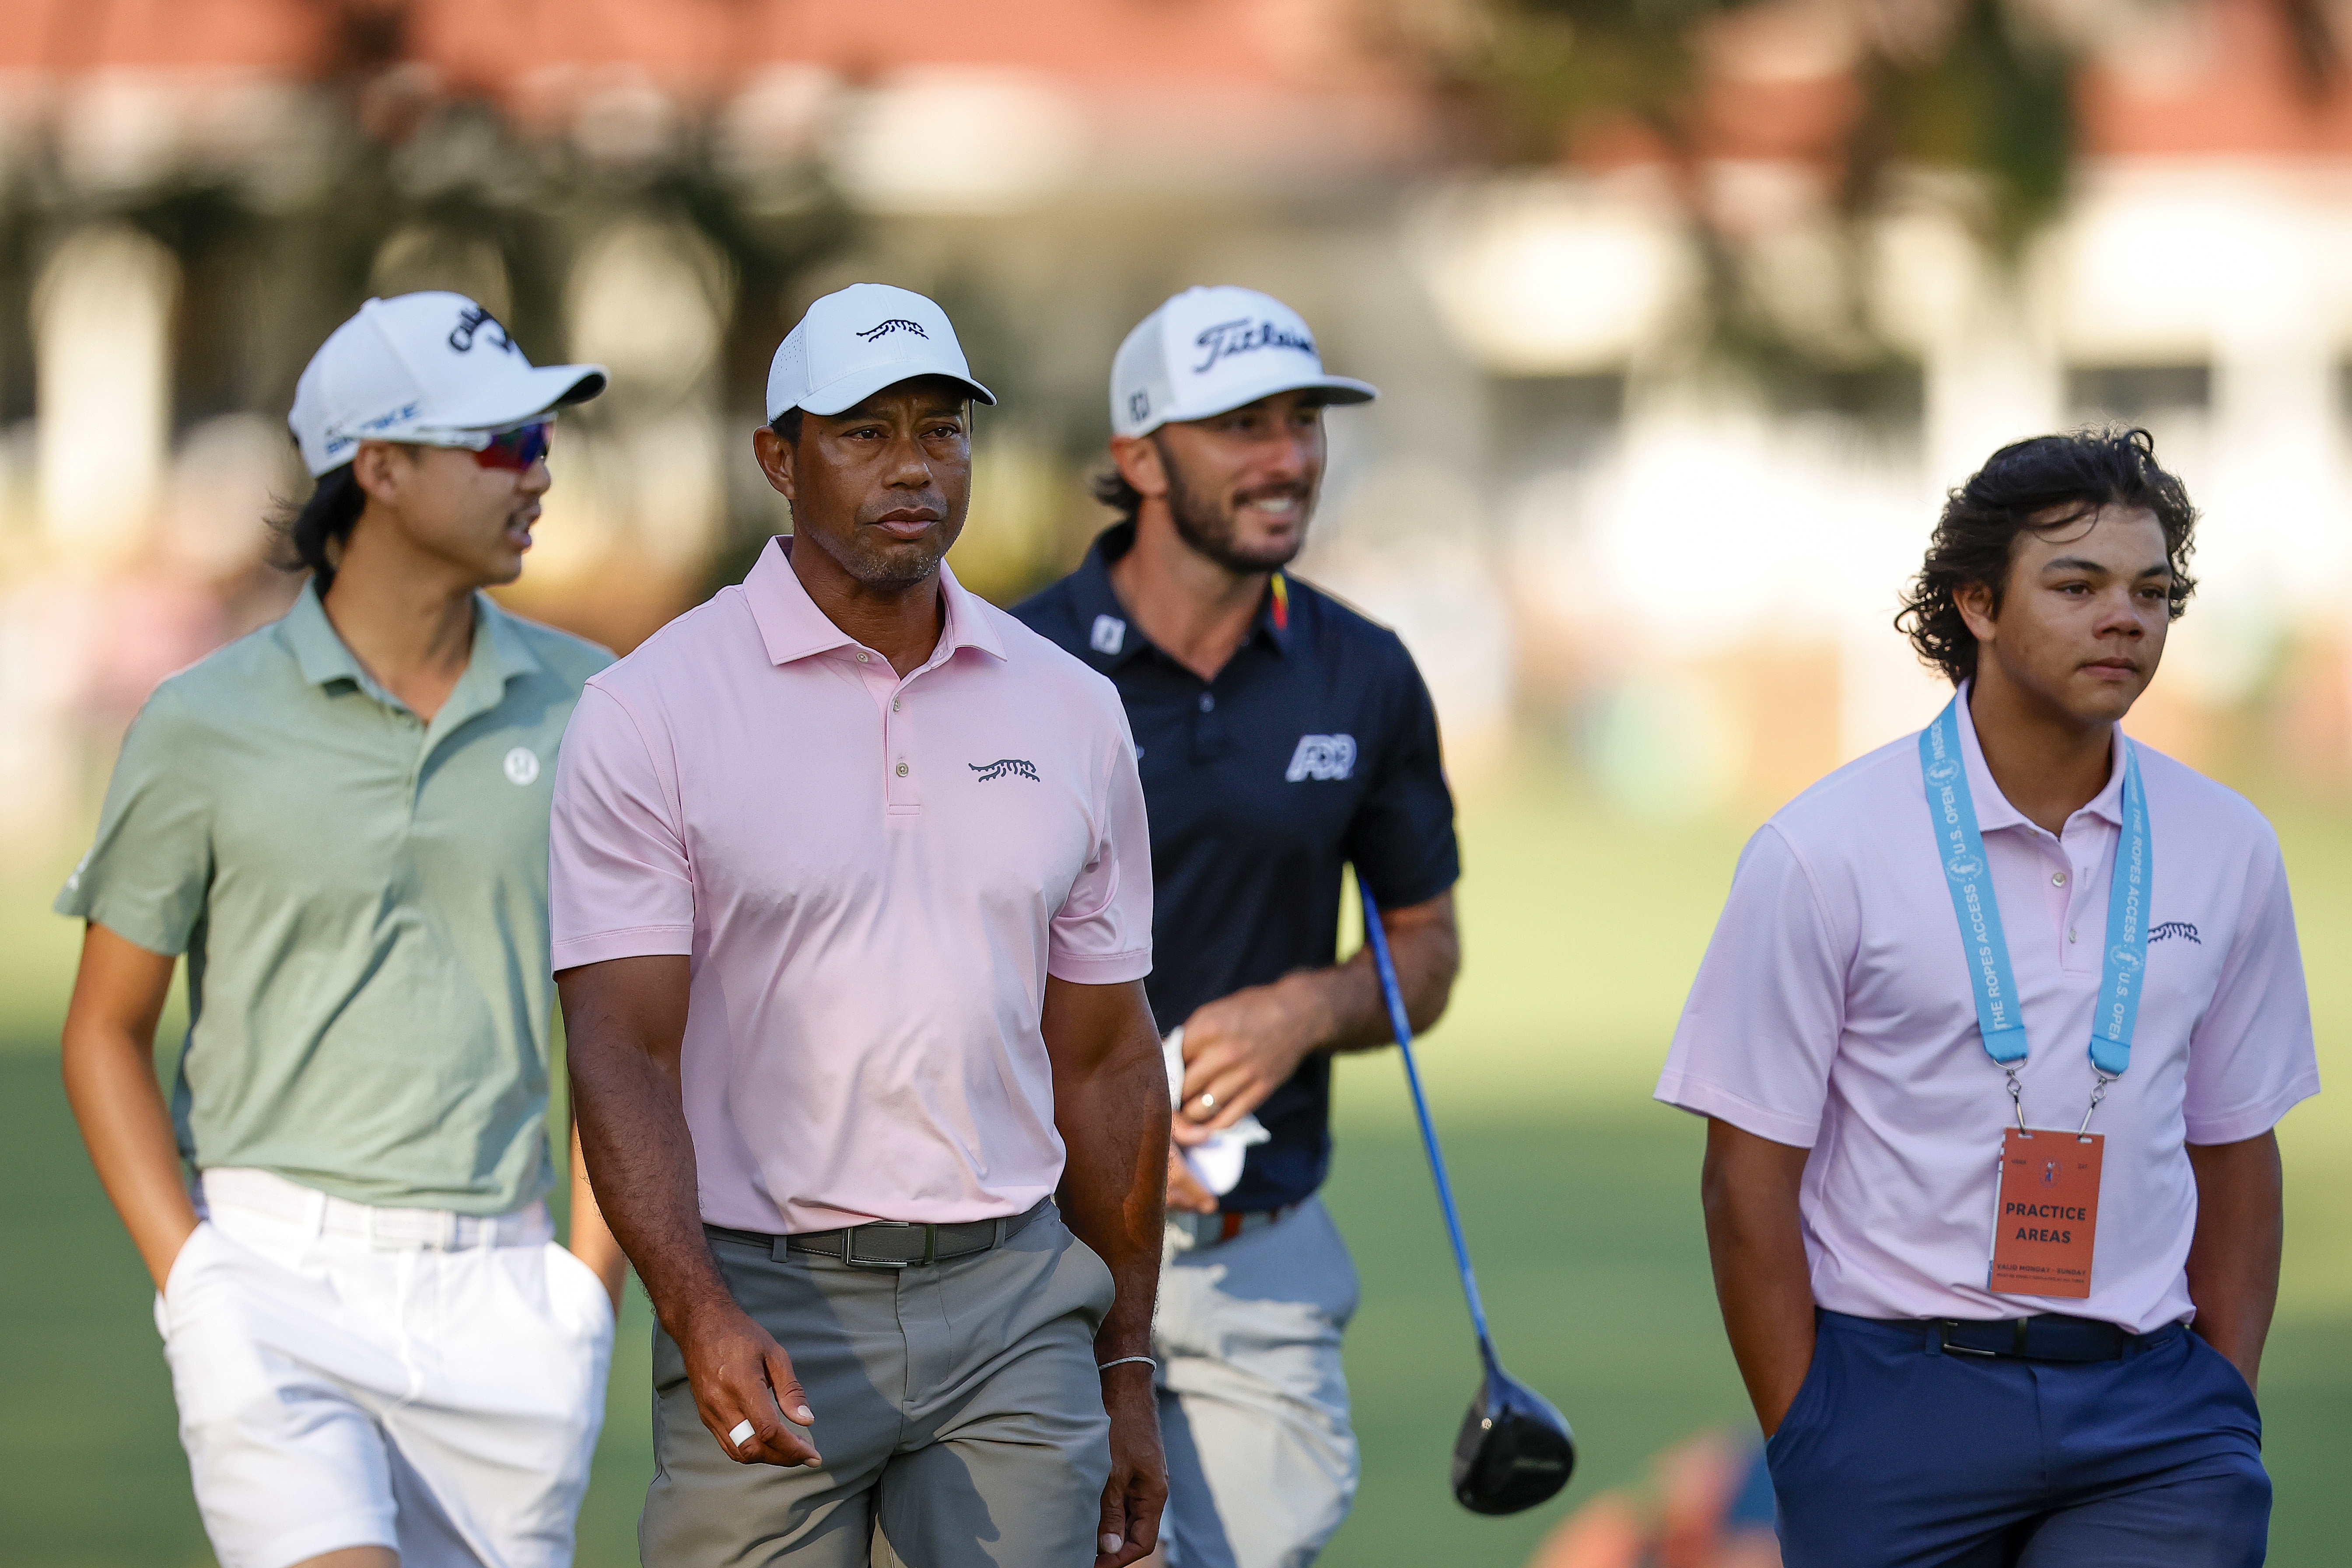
(2098, 1093)
(2017, 1100)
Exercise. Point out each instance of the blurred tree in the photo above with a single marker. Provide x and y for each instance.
(1983, 90)
(370, 174)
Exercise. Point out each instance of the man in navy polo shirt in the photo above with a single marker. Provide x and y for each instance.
(1280, 736)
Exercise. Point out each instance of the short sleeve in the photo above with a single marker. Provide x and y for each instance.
(619, 883)
(1402, 840)
(1102, 933)
(1758, 1034)
(149, 869)
(2251, 1057)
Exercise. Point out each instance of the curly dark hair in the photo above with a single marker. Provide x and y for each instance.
(2074, 475)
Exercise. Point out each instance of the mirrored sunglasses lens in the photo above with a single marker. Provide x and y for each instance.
(518, 449)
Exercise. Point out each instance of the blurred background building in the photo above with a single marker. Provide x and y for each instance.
(1685, 312)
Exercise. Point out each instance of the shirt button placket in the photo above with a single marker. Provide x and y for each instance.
(898, 785)
(2068, 889)
(422, 735)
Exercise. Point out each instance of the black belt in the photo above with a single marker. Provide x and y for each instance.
(888, 1243)
(2046, 1336)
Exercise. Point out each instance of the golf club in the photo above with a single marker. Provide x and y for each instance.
(1514, 1450)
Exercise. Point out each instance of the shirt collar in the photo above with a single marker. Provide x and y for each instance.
(319, 652)
(793, 627)
(1105, 619)
(497, 656)
(499, 645)
(1993, 809)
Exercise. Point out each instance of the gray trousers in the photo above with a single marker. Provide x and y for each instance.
(1253, 1402)
(957, 1404)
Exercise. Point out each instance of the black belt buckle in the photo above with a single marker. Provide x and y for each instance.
(1940, 1333)
(849, 1246)
(2045, 1337)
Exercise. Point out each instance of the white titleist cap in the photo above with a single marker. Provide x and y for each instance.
(1208, 351)
(857, 341)
(434, 370)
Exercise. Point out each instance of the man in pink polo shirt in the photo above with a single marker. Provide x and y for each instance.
(1991, 1041)
(852, 904)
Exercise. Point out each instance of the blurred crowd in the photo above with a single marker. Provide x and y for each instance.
(1708, 1505)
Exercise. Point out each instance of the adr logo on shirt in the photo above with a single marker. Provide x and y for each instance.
(1322, 757)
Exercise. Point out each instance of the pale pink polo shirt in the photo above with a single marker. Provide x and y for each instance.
(1833, 1012)
(872, 878)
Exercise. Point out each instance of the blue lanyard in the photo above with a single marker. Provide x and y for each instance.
(1967, 876)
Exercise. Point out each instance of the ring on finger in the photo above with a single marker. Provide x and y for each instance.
(1208, 1102)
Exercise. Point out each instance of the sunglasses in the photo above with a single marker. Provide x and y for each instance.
(519, 449)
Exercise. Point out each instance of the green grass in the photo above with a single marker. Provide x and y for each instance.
(1580, 1196)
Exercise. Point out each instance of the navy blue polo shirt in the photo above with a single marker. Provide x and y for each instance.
(1314, 747)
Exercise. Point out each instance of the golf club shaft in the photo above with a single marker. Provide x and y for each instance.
(1376, 936)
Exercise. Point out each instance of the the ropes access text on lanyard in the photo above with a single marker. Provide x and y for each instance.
(2046, 1212)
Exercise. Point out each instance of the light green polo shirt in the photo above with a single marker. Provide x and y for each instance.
(362, 899)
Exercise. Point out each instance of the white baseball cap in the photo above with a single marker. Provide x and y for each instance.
(856, 340)
(1211, 350)
(431, 369)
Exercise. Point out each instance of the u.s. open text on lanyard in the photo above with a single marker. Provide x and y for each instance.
(2046, 1212)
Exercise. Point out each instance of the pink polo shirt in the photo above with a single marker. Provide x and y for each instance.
(1833, 1013)
(872, 877)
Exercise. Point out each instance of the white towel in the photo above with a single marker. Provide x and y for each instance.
(1216, 1163)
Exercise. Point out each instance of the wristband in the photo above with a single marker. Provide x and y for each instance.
(1126, 1360)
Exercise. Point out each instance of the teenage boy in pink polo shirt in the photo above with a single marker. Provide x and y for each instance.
(852, 905)
(1992, 1040)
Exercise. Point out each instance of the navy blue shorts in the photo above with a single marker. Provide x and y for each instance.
(1893, 1456)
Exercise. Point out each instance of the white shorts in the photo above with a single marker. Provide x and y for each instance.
(398, 1378)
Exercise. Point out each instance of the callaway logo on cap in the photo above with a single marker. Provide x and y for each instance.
(1208, 351)
(432, 369)
(859, 339)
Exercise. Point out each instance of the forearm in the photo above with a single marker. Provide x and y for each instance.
(110, 1079)
(1749, 1189)
(1343, 1003)
(2233, 1256)
(1110, 1106)
(640, 1162)
(1114, 1126)
(109, 1063)
(625, 1020)
(592, 1240)
(624, 1023)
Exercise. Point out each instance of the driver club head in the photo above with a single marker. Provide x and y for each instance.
(1514, 1450)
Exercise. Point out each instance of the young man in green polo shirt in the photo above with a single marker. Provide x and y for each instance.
(380, 1356)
